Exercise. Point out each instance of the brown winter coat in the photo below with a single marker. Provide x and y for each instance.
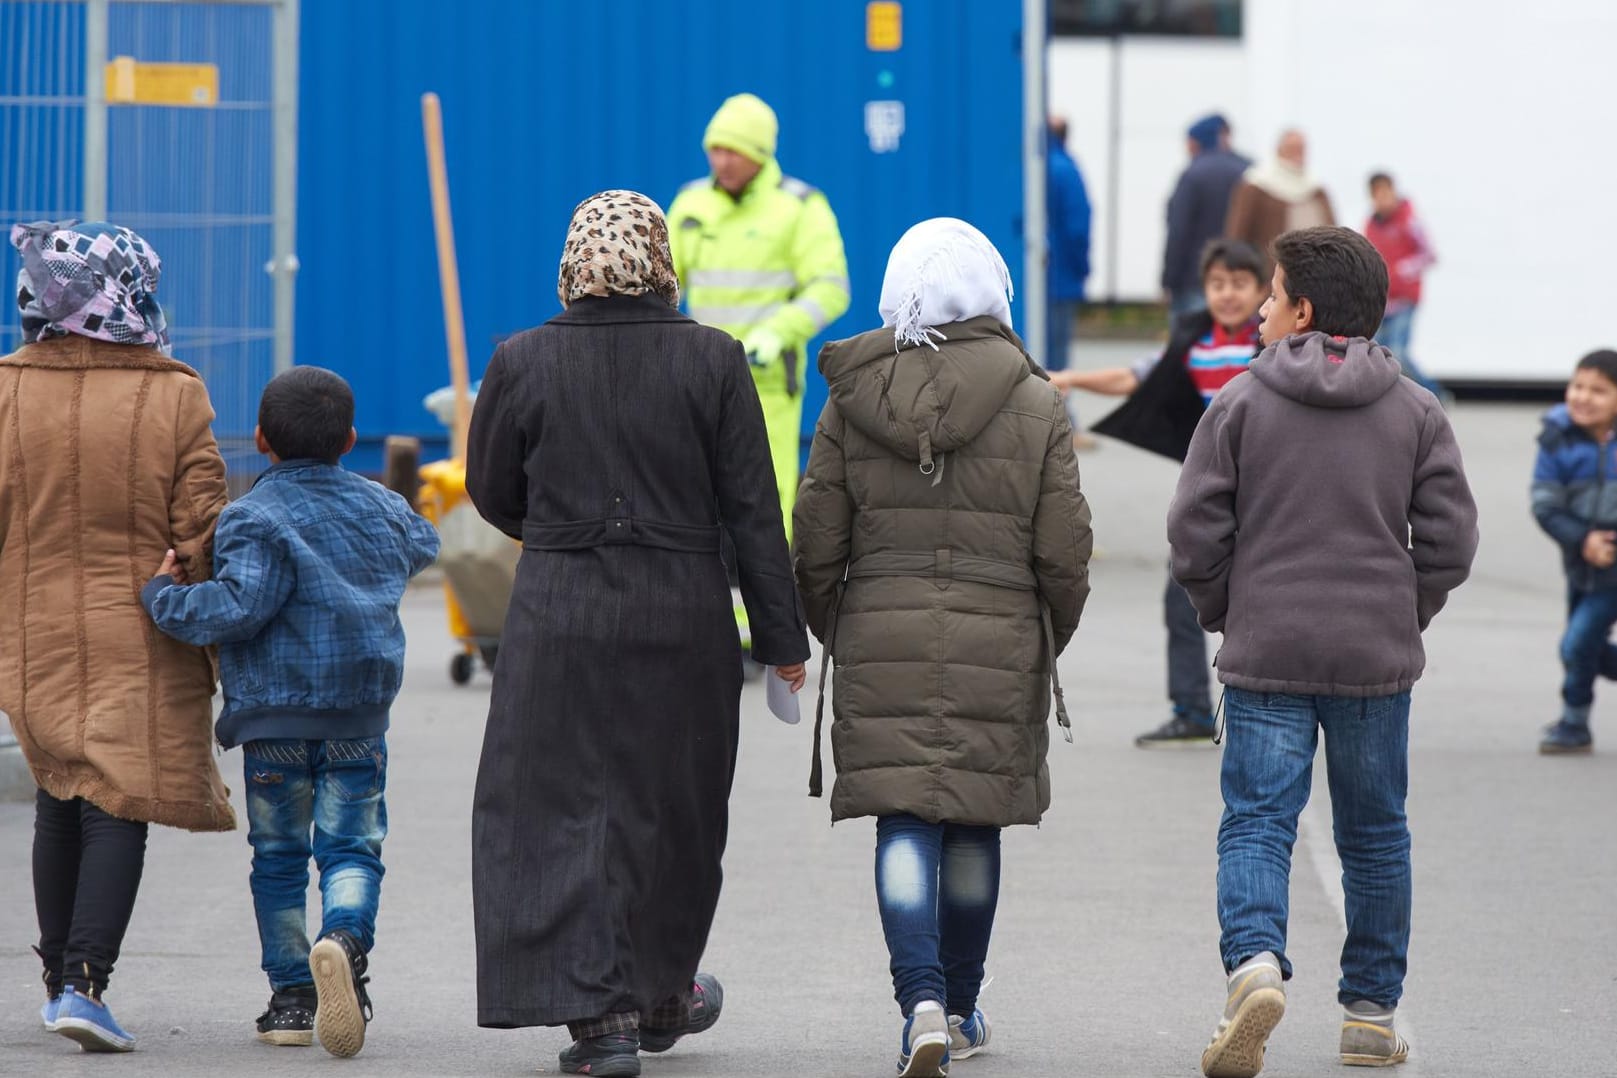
(1259, 216)
(940, 520)
(106, 460)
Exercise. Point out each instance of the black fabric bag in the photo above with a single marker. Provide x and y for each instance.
(1161, 415)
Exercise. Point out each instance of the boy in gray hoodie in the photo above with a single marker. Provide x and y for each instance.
(1320, 522)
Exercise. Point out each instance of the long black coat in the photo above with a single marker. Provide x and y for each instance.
(615, 441)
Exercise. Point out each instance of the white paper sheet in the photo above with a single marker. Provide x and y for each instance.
(782, 700)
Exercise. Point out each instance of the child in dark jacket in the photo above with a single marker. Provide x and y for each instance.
(1167, 396)
(1575, 502)
(309, 569)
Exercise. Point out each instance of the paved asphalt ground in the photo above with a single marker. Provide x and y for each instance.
(1105, 959)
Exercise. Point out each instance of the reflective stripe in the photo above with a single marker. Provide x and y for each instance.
(831, 279)
(815, 312)
(734, 316)
(797, 188)
(740, 278)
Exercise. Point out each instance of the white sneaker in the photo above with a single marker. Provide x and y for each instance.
(968, 1036)
(923, 1051)
(1256, 1003)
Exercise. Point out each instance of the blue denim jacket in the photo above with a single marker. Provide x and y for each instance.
(308, 570)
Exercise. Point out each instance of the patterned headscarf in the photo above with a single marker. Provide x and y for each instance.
(94, 279)
(617, 245)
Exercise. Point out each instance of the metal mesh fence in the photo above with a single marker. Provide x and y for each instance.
(196, 182)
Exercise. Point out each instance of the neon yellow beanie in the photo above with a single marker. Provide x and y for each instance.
(746, 125)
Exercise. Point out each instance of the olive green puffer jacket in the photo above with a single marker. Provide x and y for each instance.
(942, 550)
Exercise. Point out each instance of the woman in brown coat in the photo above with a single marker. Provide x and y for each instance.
(942, 554)
(106, 462)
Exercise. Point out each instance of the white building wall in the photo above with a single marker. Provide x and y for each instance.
(1495, 118)
(1165, 84)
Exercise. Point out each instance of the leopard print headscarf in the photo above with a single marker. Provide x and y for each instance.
(617, 245)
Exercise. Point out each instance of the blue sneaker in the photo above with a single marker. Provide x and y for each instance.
(87, 1021)
(47, 1013)
(923, 1052)
(1566, 739)
(968, 1036)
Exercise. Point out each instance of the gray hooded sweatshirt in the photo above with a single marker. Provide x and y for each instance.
(1321, 520)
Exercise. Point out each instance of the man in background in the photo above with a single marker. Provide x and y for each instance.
(1067, 217)
(1197, 209)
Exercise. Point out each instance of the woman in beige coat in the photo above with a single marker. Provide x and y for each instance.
(106, 462)
(942, 554)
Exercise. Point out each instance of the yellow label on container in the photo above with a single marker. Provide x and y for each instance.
(884, 26)
(133, 83)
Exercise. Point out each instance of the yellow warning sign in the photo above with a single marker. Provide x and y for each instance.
(191, 85)
(884, 26)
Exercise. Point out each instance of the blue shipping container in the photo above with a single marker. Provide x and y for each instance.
(547, 102)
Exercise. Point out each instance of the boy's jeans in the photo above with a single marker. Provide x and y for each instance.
(1268, 767)
(335, 788)
(1586, 650)
(1397, 325)
(937, 885)
(1188, 686)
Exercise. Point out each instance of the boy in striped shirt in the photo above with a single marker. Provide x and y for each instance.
(1167, 394)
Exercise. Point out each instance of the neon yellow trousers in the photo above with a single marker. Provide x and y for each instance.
(783, 416)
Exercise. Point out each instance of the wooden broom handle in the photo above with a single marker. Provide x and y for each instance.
(432, 126)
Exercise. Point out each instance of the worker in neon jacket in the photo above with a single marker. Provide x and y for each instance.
(759, 255)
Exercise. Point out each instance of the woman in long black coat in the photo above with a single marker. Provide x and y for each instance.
(616, 441)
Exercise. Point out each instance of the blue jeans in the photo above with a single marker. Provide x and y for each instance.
(1586, 648)
(335, 789)
(1396, 327)
(937, 885)
(1058, 320)
(1268, 768)
(1188, 686)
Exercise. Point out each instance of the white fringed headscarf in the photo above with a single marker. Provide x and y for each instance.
(941, 271)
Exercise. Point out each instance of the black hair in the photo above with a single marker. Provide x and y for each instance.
(1236, 256)
(1603, 361)
(306, 414)
(1381, 177)
(1338, 271)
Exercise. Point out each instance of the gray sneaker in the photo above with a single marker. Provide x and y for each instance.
(1256, 1003)
(1368, 1039)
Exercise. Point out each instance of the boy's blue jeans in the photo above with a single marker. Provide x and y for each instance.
(1586, 648)
(334, 789)
(1268, 768)
(1188, 685)
(1396, 328)
(937, 885)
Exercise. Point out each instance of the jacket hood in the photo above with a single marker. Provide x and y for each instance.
(1559, 429)
(1559, 419)
(916, 400)
(1328, 372)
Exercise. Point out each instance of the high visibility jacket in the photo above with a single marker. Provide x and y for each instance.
(772, 257)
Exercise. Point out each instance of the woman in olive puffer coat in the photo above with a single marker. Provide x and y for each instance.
(942, 550)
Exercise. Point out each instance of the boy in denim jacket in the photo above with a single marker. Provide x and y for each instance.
(309, 569)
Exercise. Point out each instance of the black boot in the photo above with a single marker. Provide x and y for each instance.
(289, 1021)
(338, 966)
